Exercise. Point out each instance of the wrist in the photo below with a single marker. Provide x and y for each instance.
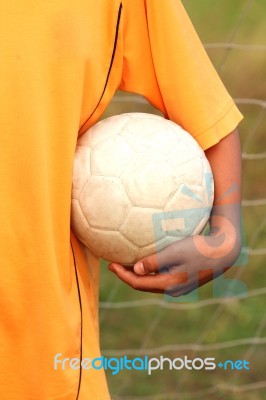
(223, 244)
(226, 237)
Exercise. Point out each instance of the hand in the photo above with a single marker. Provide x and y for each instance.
(189, 263)
(186, 264)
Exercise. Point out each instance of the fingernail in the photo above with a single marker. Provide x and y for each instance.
(139, 268)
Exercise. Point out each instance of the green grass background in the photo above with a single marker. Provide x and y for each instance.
(151, 326)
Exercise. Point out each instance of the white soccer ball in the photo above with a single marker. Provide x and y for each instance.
(140, 183)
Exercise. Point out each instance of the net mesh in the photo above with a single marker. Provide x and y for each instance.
(137, 324)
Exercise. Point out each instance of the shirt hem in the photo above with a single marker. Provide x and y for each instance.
(225, 122)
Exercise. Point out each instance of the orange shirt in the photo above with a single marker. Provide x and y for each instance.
(61, 63)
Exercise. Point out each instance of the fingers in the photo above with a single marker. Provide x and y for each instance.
(156, 283)
(165, 258)
(147, 265)
(177, 270)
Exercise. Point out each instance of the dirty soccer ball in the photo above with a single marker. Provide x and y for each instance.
(140, 183)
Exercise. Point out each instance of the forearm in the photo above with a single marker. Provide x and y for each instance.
(225, 161)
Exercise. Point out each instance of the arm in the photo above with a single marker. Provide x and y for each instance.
(226, 163)
(194, 261)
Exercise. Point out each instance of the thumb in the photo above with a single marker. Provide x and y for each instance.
(146, 265)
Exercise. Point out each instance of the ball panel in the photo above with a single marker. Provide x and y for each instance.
(79, 224)
(145, 251)
(81, 170)
(190, 172)
(148, 139)
(104, 202)
(189, 140)
(179, 156)
(106, 128)
(142, 115)
(149, 182)
(156, 247)
(207, 183)
(190, 205)
(138, 226)
(165, 242)
(111, 157)
(185, 198)
(111, 246)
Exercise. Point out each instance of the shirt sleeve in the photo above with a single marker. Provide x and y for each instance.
(165, 61)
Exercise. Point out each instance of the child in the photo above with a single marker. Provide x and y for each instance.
(61, 63)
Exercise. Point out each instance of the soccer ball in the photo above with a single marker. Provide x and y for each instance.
(140, 183)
